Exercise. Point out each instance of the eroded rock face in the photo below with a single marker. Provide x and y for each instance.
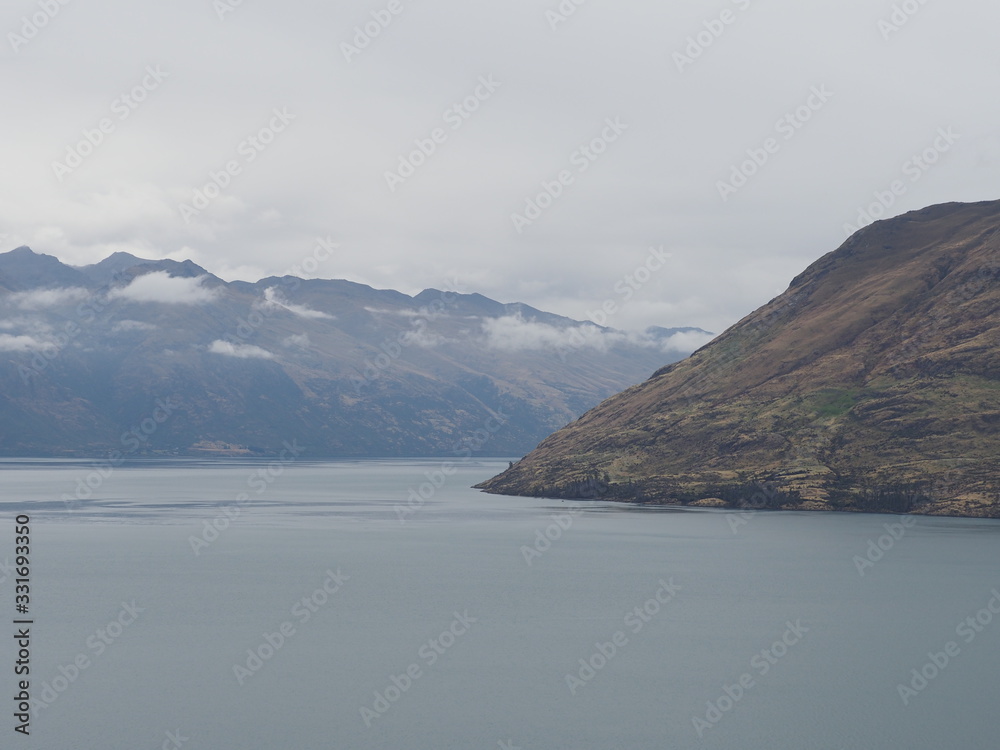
(872, 383)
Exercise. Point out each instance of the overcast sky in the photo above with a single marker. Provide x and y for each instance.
(865, 92)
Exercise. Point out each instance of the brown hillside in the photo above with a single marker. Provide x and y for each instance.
(872, 383)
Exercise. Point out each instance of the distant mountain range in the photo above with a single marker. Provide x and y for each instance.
(137, 357)
(872, 383)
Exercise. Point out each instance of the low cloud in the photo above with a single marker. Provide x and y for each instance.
(41, 299)
(513, 333)
(160, 286)
(423, 338)
(273, 299)
(686, 341)
(35, 325)
(300, 340)
(10, 343)
(132, 325)
(386, 311)
(424, 312)
(240, 351)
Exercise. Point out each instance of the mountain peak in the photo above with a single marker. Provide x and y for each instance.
(122, 257)
(121, 264)
(24, 269)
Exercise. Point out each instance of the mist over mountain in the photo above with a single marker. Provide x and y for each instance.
(137, 357)
(872, 383)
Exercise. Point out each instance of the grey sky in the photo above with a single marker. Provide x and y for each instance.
(656, 185)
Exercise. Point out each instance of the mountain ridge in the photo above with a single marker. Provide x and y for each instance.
(87, 353)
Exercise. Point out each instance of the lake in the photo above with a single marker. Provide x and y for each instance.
(239, 604)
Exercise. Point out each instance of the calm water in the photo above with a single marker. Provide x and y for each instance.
(440, 634)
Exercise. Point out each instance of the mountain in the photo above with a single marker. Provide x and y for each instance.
(145, 357)
(872, 383)
(116, 263)
(22, 269)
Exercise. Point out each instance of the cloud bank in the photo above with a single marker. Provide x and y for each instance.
(240, 351)
(10, 343)
(42, 299)
(161, 287)
(273, 299)
(514, 333)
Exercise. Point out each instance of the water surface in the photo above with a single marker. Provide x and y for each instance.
(460, 620)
